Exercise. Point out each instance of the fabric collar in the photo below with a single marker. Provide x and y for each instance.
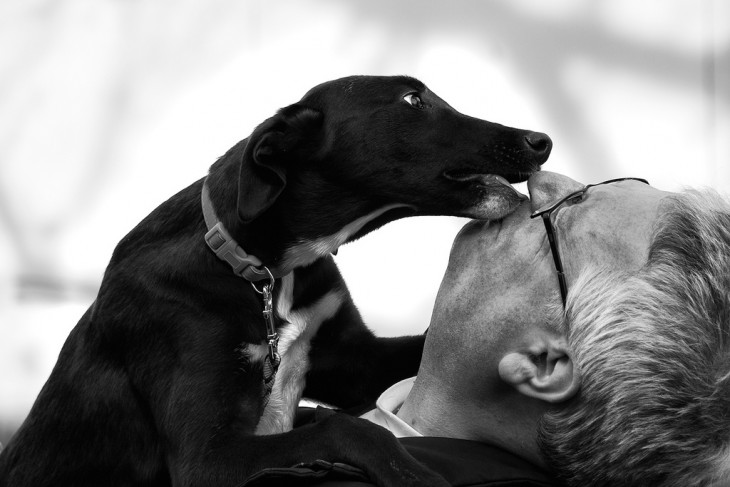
(225, 247)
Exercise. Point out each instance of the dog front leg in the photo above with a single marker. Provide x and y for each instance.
(339, 438)
(354, 367)
(206, 422)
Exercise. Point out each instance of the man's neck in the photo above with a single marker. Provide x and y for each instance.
(433, 410)
(430, 416)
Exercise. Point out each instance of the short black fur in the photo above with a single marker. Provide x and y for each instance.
(154, 387)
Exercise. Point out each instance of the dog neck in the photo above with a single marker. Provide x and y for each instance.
(269, 240)
(304, 252)
(310, 219)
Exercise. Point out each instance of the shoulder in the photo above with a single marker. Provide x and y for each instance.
(461, 462)
(471, 463)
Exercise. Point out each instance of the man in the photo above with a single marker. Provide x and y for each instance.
(616, 373)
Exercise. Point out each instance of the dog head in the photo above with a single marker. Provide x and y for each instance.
(358, 152)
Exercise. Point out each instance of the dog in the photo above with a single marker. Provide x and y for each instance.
(224, 305)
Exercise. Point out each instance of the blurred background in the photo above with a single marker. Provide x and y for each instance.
(108, 107)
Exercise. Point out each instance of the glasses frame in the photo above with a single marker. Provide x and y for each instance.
(546, 213)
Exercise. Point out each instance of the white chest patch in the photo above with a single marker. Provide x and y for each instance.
(307, 251)
(294, 344)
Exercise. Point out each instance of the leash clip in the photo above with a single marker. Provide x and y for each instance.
(272, 360)
(271, 335)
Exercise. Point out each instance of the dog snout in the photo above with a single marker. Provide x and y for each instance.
(539, 144)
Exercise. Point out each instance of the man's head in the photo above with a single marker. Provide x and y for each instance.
(628, 385)
(653, 349)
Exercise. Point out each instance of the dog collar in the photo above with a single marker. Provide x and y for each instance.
(225, 247)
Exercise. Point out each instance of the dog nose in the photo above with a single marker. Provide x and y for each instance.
(540, 144)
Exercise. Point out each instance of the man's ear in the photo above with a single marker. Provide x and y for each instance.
(545, 371)
(270, 151)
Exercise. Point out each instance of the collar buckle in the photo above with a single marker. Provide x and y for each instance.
(225, 246)
(228, 250)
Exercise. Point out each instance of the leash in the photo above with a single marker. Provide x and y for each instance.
(250, 268)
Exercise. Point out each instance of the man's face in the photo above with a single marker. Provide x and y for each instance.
(501, 281)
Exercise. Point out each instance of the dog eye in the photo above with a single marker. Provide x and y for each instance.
(413, 100)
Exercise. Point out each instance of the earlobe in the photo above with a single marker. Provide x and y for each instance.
(549, 374)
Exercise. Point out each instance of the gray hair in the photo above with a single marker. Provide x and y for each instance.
(653, 351)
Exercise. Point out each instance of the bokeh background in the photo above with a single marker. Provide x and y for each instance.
(108, 107)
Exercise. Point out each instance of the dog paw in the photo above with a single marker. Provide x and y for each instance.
(379, 454)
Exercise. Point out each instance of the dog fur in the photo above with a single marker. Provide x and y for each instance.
(160, 383)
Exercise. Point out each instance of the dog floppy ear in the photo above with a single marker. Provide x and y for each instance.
(269, 154)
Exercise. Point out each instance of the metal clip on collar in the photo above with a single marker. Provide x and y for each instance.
(267, 295)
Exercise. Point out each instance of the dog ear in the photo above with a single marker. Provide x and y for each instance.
(271, 150)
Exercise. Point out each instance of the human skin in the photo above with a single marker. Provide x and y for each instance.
(494, 361)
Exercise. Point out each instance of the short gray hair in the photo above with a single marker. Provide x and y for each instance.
(653, 351)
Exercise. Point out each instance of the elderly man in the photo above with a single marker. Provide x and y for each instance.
(615, 371)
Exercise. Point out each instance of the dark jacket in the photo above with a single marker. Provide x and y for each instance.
(461, 462)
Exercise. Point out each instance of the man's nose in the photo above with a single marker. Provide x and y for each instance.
(546, 187)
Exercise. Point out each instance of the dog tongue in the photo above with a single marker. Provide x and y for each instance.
(494, 180)
(499, 179)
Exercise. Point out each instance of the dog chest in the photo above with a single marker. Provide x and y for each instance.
(299, 325)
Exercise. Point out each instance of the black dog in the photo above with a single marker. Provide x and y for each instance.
(167, 378)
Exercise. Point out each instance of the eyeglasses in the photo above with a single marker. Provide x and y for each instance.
(546, 212)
